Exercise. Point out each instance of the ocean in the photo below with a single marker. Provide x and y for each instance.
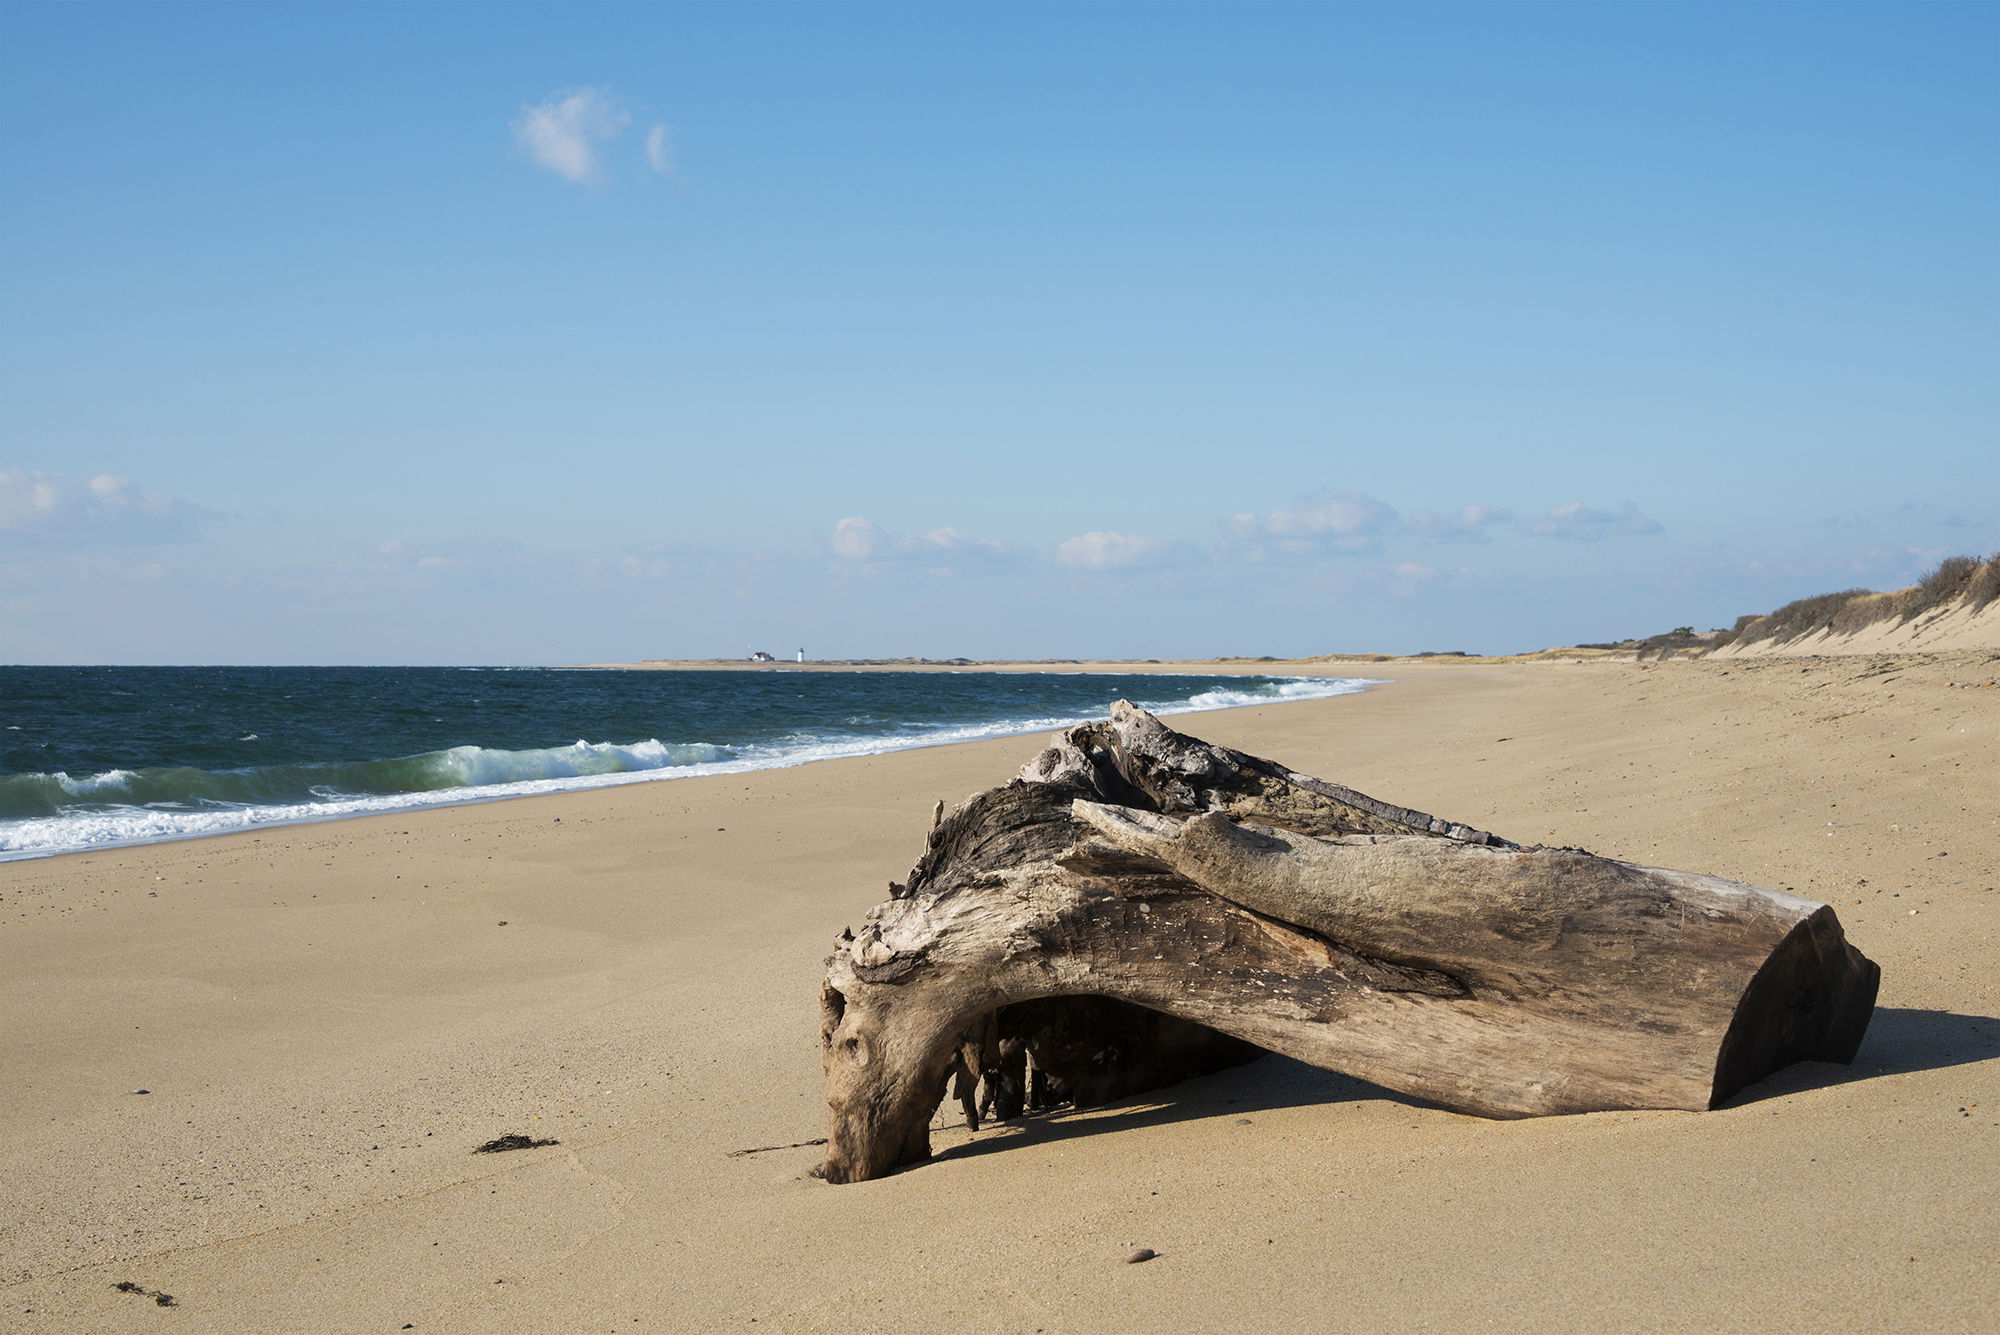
(92, 757)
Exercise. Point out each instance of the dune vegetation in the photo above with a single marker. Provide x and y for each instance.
(1962, 584)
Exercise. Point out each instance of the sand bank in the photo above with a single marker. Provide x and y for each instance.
(330, 1017)
(1955, 628)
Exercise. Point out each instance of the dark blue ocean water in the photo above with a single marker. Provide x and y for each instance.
(91, 756)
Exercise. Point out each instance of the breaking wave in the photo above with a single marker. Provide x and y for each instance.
(56, 811)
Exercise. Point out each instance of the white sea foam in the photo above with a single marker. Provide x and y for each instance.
(1223, 697)
(479, 774)
(110, 781)
(482, 767)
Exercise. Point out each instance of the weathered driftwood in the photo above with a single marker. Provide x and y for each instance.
(1138, 907)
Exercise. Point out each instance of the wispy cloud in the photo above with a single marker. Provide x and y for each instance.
(49, 507)
(660, 150)
(1466, 524)
(943, 551)
(399, 557)
(1578, 522)
(561, 132)
(1326, 521)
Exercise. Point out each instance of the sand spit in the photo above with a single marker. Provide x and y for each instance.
(1231, 667)
(328, 1020)
(1316, 665)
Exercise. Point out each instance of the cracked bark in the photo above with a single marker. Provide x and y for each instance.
(1138, 907)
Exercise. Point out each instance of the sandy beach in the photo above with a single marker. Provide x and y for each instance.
(250, 1072)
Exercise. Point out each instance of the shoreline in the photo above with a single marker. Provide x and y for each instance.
(362, 805)
(1190, 667)
(329, 1017)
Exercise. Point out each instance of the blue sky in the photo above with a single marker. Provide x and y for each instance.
(525, 333)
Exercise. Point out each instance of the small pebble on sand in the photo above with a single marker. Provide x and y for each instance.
(1143, 1254)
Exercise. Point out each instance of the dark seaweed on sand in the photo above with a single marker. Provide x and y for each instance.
(505, 1143)
(163, 1299)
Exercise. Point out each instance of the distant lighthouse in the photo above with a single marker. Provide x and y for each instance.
(802, 655)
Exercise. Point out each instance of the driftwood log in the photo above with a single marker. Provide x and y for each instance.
(1138, 907)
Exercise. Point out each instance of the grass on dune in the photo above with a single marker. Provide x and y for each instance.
(1957, 581)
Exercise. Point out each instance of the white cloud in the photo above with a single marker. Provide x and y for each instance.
(863, 542)
(1102, 549)
(644, 564)
(1339, 521)
(1466, 524)
(1578, 522)
(660, 150)
(645, 567)
(560, 132)
(49, 507)
(398, 557)
(856, 539)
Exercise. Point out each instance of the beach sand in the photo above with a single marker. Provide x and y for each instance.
(329, 1018)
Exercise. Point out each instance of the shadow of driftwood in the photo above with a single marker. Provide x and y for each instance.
(1261, 1085)
(1899, 1042)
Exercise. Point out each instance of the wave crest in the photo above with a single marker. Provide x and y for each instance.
(28, 796)
(54, 812)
